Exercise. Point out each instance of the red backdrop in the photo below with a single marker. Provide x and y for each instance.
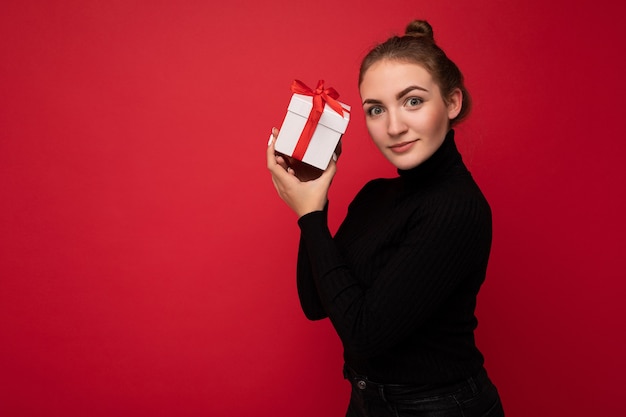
(147, 265)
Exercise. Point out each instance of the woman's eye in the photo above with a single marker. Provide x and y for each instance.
(414, 101)
(374, 111)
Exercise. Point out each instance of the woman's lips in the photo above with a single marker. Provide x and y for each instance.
(402, 147)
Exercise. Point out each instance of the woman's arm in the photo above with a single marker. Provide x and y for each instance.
(307, 290)
(304, 195)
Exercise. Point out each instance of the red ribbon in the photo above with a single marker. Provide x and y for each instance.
(320, 96)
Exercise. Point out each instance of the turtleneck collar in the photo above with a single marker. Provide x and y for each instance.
(444, 158)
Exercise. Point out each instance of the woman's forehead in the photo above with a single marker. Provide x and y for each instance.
(391, 77)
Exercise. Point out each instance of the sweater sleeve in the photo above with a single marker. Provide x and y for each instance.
(307, 290)
(440, 248)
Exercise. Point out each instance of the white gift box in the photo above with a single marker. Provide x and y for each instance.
(325, 138)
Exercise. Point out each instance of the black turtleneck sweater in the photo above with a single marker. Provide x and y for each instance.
(400, 278)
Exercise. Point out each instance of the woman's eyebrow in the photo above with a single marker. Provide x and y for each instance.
(408, 90)
(398, 96)
(371, 101)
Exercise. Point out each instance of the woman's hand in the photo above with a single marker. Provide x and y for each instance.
(304, 191)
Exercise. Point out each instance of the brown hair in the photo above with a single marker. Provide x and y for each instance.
(418, 46)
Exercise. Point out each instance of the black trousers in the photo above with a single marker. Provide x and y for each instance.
(473, 397)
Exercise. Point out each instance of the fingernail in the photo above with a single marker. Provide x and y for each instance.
(334, 157)
(269, 142)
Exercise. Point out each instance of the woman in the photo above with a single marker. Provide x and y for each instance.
(400, 278)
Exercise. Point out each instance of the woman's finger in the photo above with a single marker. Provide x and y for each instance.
(329, 173)
(271, 152)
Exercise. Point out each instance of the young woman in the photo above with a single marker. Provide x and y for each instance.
(399, 279)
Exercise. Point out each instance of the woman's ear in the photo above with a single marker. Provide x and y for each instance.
(455, 102)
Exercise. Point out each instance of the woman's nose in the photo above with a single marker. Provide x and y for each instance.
(395, 124)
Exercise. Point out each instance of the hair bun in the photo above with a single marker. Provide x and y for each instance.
(420, 28)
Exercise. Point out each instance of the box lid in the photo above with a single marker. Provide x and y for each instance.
(302, 105)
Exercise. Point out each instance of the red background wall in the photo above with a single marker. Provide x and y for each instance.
(147, 266)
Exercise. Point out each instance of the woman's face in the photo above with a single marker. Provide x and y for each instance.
(405, 113)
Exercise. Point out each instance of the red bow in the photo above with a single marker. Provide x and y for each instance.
(320, 96)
